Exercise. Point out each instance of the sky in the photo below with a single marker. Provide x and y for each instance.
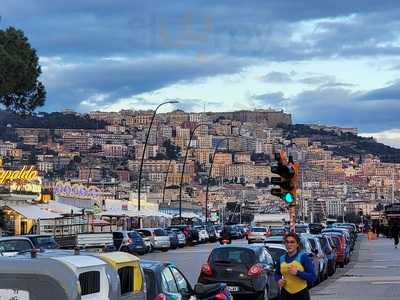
(326, 62)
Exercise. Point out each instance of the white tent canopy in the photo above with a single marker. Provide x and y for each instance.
(34, 212)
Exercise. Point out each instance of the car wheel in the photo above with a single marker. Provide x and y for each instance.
(341, 265)
(164, 249)
(249, 242)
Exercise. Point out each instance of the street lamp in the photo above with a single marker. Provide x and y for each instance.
(209, 174)
(145, 146)
(184, 165)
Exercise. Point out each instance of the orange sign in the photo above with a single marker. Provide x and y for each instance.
(26, 174)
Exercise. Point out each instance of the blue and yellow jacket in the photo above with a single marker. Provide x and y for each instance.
(305, 271)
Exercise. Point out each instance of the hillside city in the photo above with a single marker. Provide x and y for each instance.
(108, 157)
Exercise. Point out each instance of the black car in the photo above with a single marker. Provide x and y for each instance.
(173, 238)
(43, 241)
(164, 281)
(248, 271)
(230, 232)
(316, 228)
(129, 241)
(212, 233)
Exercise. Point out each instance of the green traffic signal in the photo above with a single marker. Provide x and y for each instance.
(288, 198)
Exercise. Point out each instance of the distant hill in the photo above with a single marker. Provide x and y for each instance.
(49, 120)
(347, 145)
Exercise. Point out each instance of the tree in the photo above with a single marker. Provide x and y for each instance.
(20, 90)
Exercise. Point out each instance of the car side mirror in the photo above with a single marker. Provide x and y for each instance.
(269, 268)
(186, 293)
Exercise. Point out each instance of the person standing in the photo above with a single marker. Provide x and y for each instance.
(294, 270)
(395, 233)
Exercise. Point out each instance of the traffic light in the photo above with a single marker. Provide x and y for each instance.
(287, 180)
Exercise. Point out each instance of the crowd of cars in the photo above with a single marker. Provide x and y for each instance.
(245, 270)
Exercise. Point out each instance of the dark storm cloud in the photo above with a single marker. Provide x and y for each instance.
(123, 77)
(391, 92)
(275, 99)
(163, 39)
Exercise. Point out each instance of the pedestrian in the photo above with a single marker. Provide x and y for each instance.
(294, 270)
(378, 228)
(395, 234)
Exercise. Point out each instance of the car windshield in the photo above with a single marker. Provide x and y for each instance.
(232, 256)
(276, 231)
(160, 232)
(14, 246)
(258, 229)
(45, 242)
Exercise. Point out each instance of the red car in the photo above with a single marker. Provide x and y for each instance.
(341, 256)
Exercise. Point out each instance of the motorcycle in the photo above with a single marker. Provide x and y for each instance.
(215, 291)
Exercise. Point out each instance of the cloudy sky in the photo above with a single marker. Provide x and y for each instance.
(329, 62)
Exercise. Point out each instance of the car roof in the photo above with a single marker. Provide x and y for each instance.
(274, 238)
(153, 264)
(277, 246)
(8, 238)
(254, 248)
(36, 235)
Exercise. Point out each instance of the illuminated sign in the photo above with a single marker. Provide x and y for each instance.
(24, 174)
(65, 189)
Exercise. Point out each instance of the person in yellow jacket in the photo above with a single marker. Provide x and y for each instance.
(294, 270)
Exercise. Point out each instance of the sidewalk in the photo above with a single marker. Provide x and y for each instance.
(373, 274)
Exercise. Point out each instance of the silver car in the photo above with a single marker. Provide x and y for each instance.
(11, 246)
(159, 238)
(181, 237)
(257, 234)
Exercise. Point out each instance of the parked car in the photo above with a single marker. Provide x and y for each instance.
(173, 239)
(306, 247)
(159, 239)
(12, 245)
(276, 251)
(164, 281)
(319, 253)
(191, 234)
(257, 234)
(330, 253)
(212, 233)
(248, 271)
(218, 229)
(342, 249)
(345, 233)
(129, 241)
(203, 235)
(180, 235)
(43, 242)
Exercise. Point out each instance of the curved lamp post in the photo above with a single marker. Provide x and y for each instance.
(184, 165)
(209, 173)
(145, 146)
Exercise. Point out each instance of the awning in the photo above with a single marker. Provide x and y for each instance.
(61, 208)
(33, 212)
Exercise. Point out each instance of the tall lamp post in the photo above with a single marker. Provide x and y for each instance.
(209, 173)
(145, 146)
(184, 165)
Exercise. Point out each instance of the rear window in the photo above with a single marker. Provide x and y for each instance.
(90, 282)
(233, 256)
(160, 232)
(46, 242)
(258, 229)
(134, 234)
(14, 246)
(301, 229)
(126, 279)
(276, 253)
(118, 235)
(145, 232)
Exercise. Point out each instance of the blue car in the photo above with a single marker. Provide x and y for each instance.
(129, 241)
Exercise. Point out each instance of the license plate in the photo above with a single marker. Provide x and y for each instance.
(14, 294)
(233, 288)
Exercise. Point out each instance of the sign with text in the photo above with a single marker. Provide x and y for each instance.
(27, 173)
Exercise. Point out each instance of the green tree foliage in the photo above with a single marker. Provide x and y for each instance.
(20, 90)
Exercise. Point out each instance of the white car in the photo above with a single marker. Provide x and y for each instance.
(257, 235)
(203, 235)
(12, 245)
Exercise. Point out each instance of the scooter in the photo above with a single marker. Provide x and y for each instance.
(225, 241)
(215, 291)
